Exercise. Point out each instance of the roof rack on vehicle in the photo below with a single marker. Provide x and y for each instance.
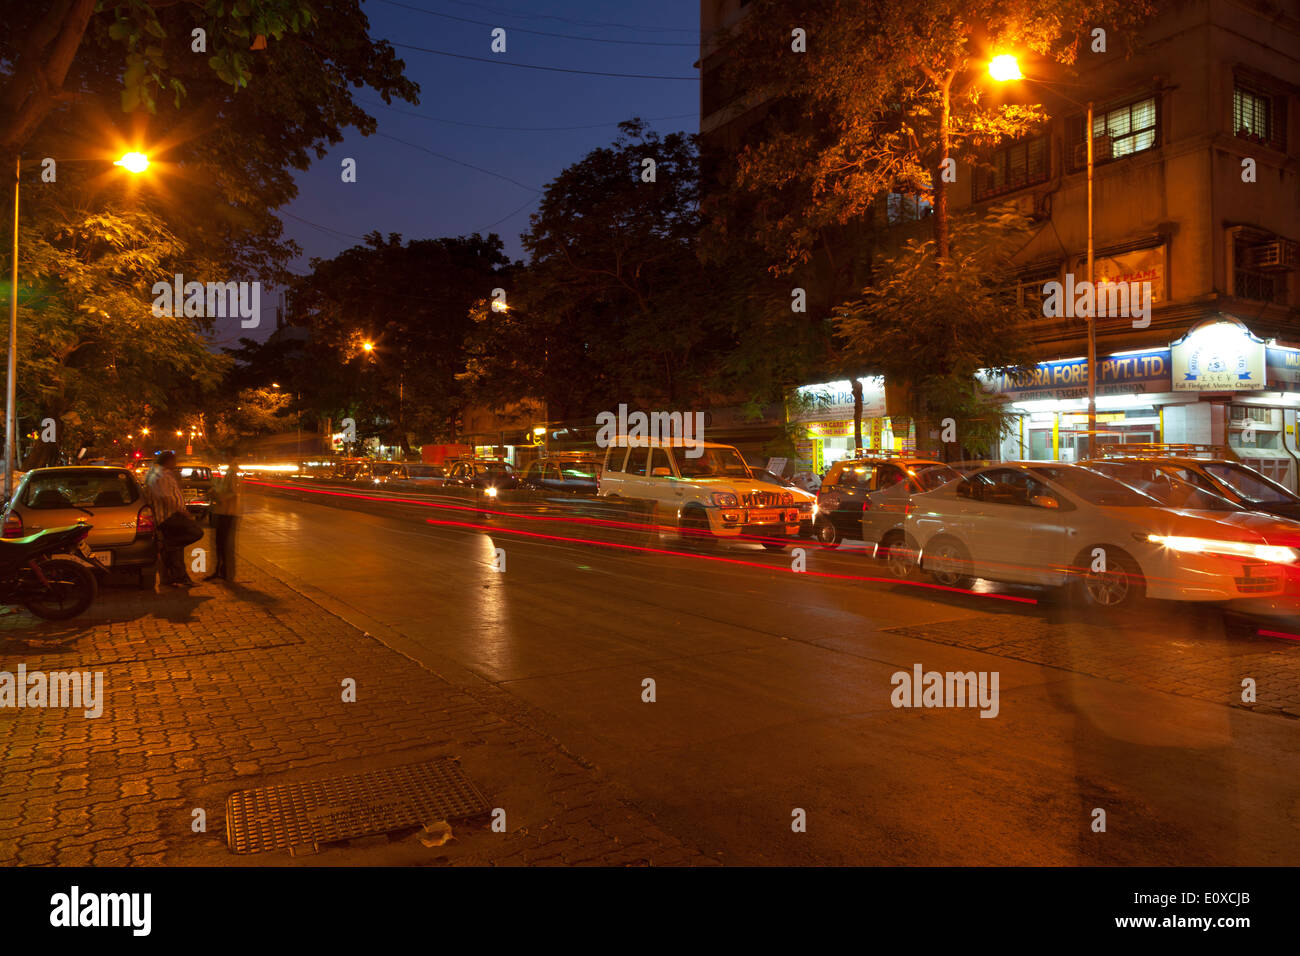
(1162, 450)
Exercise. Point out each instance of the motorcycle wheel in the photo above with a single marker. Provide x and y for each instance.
(72, 589)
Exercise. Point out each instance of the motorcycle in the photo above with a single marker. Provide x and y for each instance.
(49, 573)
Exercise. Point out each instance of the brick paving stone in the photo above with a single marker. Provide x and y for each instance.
(212, 690)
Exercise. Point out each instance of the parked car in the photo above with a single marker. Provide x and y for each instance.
(105, 497)
(562, 474)
(850, 489)
(709, 497)
(1230, 479)
(196, 485)
(488, 475)
(1056, 524)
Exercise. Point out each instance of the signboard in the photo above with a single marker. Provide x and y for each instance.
(1218, 356)
(1144, 265)
(1283, 368)
(833, 401)
(776, 465)
(1134, 374)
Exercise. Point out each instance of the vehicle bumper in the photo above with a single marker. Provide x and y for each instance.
(140, 553)
(1203, 577)
(737, 522)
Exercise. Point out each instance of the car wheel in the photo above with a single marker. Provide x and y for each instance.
(1119, 585)
(949, 563)
(695, 530)
(828, 536)
(898, 557)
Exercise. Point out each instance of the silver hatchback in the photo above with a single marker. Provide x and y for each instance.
(105, 497)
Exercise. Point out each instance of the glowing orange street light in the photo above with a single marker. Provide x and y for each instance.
(133, 162)
(1005, 67)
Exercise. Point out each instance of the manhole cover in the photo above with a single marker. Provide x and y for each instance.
(341, 808)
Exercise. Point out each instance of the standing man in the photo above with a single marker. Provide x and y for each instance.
(163, 492)
(226, 509)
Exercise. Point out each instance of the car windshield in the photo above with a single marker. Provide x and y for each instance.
(1169, 490)
(493, 468)
(930, 477)
(79, 488)
(195, 473)
(1097, 489)
(425, 471)
(713, 463)
(1249, 484)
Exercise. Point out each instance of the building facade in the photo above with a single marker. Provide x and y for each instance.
(1196, 192)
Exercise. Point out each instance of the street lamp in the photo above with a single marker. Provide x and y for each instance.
(1004, 68)
(133, 162)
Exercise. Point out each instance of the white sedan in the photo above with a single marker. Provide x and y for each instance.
(1049, 523)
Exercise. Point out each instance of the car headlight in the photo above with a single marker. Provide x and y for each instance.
(723, 499)
(490, 491)
(1272, 553)
(806, 507)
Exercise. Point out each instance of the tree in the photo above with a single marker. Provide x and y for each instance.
(229, 123)
(885, 93)
(929, 331)
(411, 302)
(614, 305)
(95, 357)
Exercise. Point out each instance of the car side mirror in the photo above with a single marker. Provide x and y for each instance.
(1044, 501)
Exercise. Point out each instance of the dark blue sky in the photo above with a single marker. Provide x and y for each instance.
(404, 189)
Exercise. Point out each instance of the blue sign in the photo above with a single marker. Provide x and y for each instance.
(1134, 374)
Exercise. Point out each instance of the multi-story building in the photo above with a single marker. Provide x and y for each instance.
(1196, 191)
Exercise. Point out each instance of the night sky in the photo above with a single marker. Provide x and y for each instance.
(406, 189)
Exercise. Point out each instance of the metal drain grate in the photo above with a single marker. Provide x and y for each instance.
(341, 808)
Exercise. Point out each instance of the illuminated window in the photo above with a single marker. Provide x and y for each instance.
(1259, 116)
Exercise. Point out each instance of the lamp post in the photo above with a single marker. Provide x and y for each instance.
(1004, 68)
(133, 162)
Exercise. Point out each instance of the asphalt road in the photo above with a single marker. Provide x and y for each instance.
(773, 690)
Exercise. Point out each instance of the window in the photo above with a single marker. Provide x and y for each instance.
(1251, 283)
(616, 456)
(1259, 116)
(902, 207)
(1013, 167)
(1116, 133)
(659, 461)
(636, 461)
(79, 488)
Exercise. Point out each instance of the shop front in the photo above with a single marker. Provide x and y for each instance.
(822, 420)
(1218, 386)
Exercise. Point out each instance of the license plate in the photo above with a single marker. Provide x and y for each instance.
(764, 517)
(103, 557)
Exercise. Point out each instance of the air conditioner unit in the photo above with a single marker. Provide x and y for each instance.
(1100, 151)
(1276, 256)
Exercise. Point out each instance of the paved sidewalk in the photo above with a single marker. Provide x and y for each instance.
(227, 687)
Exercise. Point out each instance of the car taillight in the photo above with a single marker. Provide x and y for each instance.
(144, 521)
(866, 504)
(13, 525)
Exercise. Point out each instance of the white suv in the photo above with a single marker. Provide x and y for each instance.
(708, 497)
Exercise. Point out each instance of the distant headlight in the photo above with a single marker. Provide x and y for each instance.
(723, 499)
(490, 491)
(1272, 553)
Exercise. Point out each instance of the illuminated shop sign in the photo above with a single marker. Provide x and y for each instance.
(1133, 374)
(1218, 357)
(833, 401)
